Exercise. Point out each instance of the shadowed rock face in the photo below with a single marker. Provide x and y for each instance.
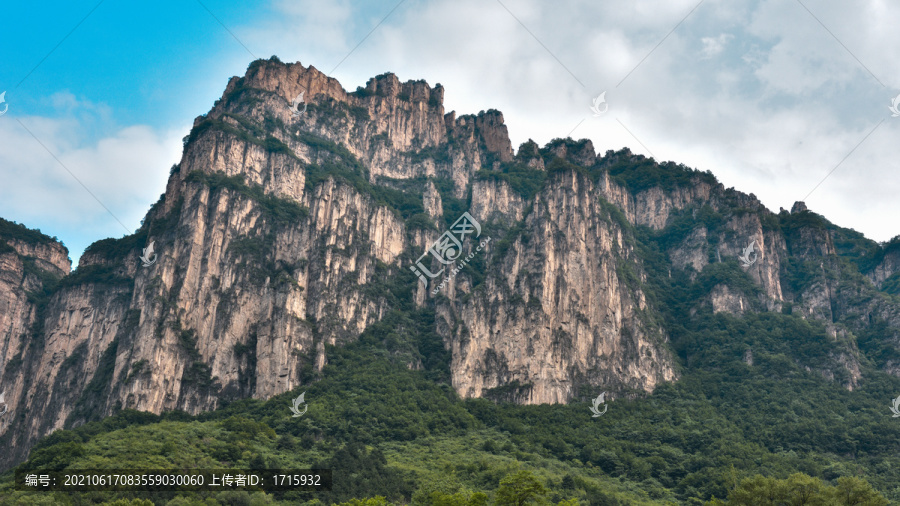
(278, 234)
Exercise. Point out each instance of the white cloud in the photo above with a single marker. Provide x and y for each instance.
(807, 56)
(755, 90)
(712, 46)
(125, 169)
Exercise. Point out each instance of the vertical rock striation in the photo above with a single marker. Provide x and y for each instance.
(281, 233)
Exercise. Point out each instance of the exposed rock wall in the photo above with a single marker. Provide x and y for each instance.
(29, 264)
(279, 232)
(555, 312)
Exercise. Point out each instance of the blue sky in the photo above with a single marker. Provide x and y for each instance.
(770, 95)
(148, 63)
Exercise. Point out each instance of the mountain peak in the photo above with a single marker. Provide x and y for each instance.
(285, 231)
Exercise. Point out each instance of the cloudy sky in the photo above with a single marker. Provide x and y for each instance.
(786, 99)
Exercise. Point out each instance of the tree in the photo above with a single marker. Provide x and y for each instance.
(802, 490)
(851, 491)
(372, 501)
(458, 499)
(518, 489)
(478, 499)
(187, 501)
(757, 491)
(439, 499)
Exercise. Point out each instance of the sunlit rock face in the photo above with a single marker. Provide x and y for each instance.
(285, 229)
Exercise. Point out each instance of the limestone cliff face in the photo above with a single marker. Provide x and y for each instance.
(557, 310)
(282, 231)
(398, 130)
(30, 263)
(888, 266)
(493, 200)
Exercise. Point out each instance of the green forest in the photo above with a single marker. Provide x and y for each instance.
(725, 433)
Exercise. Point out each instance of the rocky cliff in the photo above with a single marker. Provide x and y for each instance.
(283, 232)
(31, 265)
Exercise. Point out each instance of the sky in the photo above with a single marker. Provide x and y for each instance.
(786, 99)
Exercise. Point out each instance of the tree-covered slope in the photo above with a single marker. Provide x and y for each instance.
(390, 431)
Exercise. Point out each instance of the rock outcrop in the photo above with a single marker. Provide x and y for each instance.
(31, 264)
(282, 231)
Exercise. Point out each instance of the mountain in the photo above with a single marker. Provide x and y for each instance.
(284, 235)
